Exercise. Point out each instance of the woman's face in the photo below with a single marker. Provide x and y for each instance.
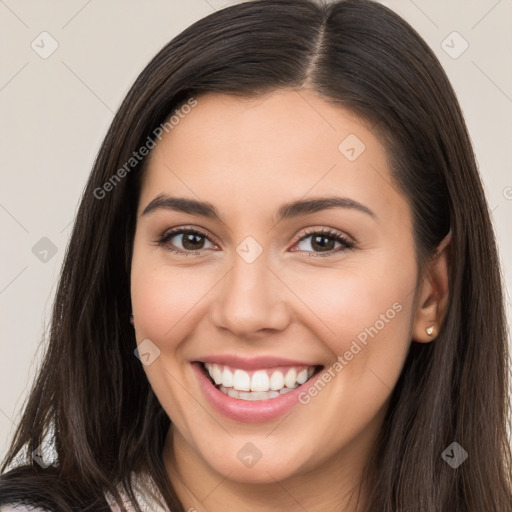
(277, 284)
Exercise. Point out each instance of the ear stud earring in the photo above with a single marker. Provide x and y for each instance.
(430, 330)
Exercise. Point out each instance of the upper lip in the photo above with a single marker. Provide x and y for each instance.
(253, 363)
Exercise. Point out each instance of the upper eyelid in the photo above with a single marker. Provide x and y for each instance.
(348, 241)
(171, 233)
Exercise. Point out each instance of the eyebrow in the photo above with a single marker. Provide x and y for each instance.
(286, 211)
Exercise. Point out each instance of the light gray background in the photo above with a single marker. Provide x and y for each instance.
(55, 111)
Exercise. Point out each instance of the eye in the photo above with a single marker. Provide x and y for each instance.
(323, 242)
(192, 241)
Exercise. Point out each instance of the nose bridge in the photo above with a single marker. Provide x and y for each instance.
(251, 298)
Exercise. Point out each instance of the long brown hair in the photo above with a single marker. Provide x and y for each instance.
(362, 55)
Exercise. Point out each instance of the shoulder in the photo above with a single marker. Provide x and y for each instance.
(147, 494)
(21, 508)
(145, 490)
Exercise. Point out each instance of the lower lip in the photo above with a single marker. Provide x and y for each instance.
(245, 410)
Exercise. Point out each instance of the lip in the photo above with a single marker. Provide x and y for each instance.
(246, 411)
(254, 363)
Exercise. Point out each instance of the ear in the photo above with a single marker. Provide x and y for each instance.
(433, 297)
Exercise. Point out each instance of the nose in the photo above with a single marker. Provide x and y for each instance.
(251, 300)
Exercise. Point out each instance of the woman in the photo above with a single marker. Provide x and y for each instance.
(282, 290)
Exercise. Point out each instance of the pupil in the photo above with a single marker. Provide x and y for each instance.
(319, 242)
(192, 239)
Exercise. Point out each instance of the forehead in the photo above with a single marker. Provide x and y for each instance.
(285, 145)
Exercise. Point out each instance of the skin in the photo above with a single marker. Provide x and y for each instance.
(248, 157)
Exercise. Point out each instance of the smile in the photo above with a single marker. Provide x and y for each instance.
(253, 390)
(260, 384)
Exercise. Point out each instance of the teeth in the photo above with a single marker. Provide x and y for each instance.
(251, 395)
(226, 378)
(233, 393)
(216, 374)
(241, 381)
(276, 381)
(291, 378)
(258, 395)
(302, 376)
(260, 381)
(258, 385)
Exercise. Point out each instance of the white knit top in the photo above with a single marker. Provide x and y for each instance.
(146, 492)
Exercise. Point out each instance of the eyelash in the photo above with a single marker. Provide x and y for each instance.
(327, 232)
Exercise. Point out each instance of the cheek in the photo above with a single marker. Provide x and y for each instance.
(166, 302)
(363, 314)
(165, 299)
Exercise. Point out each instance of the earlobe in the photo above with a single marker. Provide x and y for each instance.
(433, 298)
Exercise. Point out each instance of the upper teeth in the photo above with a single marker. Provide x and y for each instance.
(259, 380)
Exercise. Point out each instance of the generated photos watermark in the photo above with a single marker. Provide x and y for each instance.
(355, 348)
(143, 151)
